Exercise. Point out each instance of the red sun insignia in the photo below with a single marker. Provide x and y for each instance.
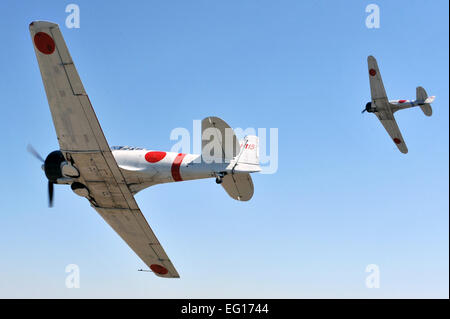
(158, 269)
(155, 156)
(44, 43)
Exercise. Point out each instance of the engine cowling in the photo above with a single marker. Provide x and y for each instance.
(56, 166)
(52, 165)
(370, 108)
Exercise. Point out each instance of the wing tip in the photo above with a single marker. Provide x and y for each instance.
(168, 276)
(36, 25)
(403, 148)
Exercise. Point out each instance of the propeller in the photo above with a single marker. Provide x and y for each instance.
(363, 111)
(50, 194)
(36, 154)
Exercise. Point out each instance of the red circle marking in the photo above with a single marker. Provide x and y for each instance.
(44, 43)
(160, 270)
(154, 157)
(397, 141)
(401, 101)
(372, 72)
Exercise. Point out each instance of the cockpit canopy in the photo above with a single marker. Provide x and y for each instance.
(126, 148)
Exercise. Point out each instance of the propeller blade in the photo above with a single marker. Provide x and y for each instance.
(33, 152)
(50, 194)
(363, 111)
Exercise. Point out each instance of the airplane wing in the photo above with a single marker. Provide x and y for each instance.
(387, 119)
(377, 90)
(83, 143)
(384, 111)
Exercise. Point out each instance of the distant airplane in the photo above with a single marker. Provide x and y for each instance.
(110, 177)
(385, 109)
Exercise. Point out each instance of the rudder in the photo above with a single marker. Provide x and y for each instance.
(249, 150)
(424, 101)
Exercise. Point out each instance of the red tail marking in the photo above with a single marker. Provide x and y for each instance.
(176, 167)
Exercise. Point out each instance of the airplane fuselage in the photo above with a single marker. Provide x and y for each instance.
(404, 104)
(150, 167)
(395, 105)
(163, 167)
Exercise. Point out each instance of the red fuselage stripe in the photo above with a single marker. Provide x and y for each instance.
(176, 167)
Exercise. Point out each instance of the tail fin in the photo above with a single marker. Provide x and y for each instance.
(424, 100)
(250, 150)
(247, 161)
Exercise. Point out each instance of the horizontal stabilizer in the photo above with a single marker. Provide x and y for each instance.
(238, 186)
(219, 143)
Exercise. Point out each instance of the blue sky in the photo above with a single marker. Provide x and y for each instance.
(343, 197)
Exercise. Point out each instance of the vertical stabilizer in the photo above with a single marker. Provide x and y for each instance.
(249, 154)
(424, 101)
